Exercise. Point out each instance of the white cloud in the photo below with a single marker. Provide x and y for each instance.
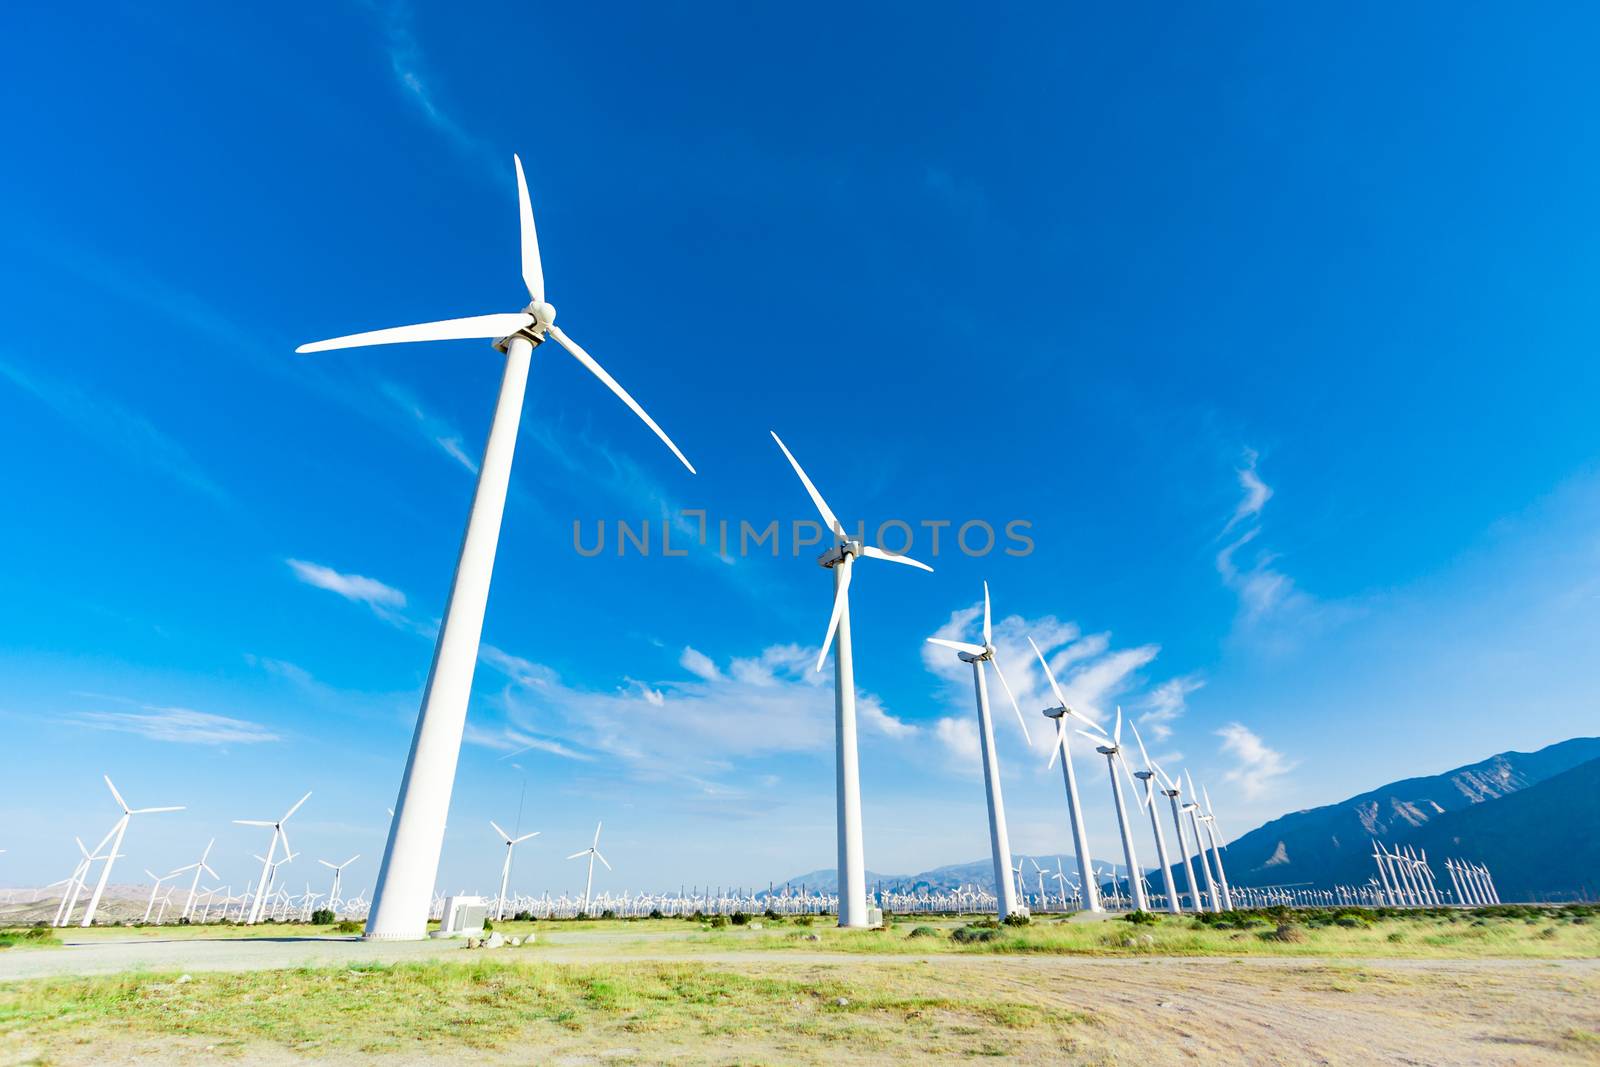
(1263, 589)
(180, 725)
(1167, 702)
(1256, 491)
(385, 601)
(695, 728)
(409, 66)
(1256, 767)
(435, 429)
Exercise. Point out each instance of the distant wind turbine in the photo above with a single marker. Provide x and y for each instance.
(268, 867)
(1080, 838)
(116, 847)
(593, 852)
(505, 868)
(841, 560)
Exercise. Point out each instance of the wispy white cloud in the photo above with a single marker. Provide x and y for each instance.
(1262, 587)
(1166, 704)
(409, 64)
(179, 725)
(1256, 767)
(384, 600)
(437, 430)
(119, 429)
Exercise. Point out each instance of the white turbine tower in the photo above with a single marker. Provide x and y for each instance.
(410, 864)
(338, 877)
(1112, 751)
(841, 560)
(593, 852)
(1080, 838)
(1147, 776)
(116, 845)
(999, 839)
(268, 867)
(194, 883)
(505, 868)
(156, 888)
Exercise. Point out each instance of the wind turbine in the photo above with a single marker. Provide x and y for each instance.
(505, 869)
(268, 868)
(116, 846)
(194, 885)
(404, 891)
(1210, 819)
(1112, 751)
(840, 559)
(593, 852)
(1174, 792)
(338, 875)
(999, 840)
(1147, 776)
(156, 888)
(1080, 838)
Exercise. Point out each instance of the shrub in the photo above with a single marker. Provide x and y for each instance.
(772, 916)
(802, 920)
(1396, 937)
(924, 931)
(718, 921)
(1287, 932)
(1139, 918)
(740, 919)
(655, 913)
(1018, 918)
(580, 915)
(608, 914)
(347, 926)
(32, 935)
(975, 934)
(698, 916)
(488, 926)
(322, 917)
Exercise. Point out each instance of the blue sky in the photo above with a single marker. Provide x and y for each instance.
(1276, 327)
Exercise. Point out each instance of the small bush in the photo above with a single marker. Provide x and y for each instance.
(655, 913)
(1396, 937)
(924, 931)
(718, 921)
(974, 934)
(1287, 932)
(802, 920)
(1139, 918)
(347, 926)
(33, 935)
(740, 919)
(323, 917)
(1018, 918)
(582, 915)
(523, 916)
(772, 916)
(608, 914)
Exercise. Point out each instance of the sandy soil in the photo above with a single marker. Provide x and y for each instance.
(1134, 1011)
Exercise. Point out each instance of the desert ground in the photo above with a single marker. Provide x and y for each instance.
(1461, 988)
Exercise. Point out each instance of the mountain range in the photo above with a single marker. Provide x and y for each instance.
(1529, 816)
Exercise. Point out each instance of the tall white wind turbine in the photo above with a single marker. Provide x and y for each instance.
(505, 868)
(593, 852)
(116, 847)
(268, 867)
(1111, 749)
(999, 838)
(841, 560)
(1147, 776)
(1080, 838)
(157, 880)
(338, 878)
(416, 834)
(194, 883)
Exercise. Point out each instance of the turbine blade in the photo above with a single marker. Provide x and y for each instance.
(959, 646)
(294, 809)
(1207, 798)
(487, 326)
(988, 637)
(532, 269)
(829, 519)
(1116, 735)
(878, 553)
(602, 859)
(525, 837)
(328, 865)
(152, 811)
(1142, 753)
(123, 804)
(1050, 675)
(209, 871)
(576, 855)
(499, 831)
(351, 860)
(252, 822)
(622, 394)
(840, 598)
(1058, 747)
(994, 661)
